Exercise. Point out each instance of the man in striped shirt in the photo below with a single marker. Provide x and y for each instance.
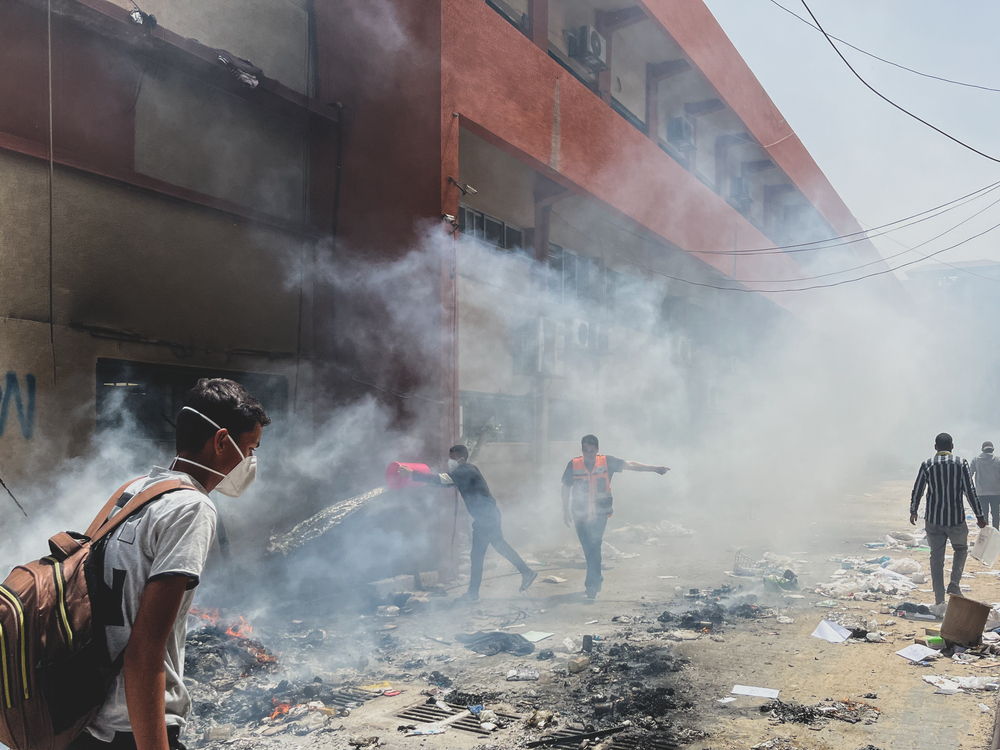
(946, 478)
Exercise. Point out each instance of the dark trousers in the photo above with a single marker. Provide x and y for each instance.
(591, 534)
(991, 505)
(122, 741)
(486, 530)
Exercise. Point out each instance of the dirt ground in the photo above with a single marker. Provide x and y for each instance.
(756, 652)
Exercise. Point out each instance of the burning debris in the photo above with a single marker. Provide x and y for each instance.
(712, 615)
(853, 712)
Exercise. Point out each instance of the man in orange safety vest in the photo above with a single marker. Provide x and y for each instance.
(587, 501)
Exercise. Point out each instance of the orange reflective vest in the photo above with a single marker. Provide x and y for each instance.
(592, 484)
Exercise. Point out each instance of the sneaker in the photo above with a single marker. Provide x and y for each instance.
(938, 609)
(468, 596)
(527, 579)
(591, 593)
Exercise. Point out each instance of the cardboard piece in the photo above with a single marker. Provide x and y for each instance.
(987, 546)
(964, 621)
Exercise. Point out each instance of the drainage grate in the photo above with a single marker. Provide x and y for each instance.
(348, 697)
(456, 717)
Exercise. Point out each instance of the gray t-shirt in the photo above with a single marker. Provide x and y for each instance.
(986, 471)
(170, 536)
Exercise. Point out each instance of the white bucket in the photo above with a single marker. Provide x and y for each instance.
(987, 546)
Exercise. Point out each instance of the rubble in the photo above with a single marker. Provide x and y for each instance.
(850, 711)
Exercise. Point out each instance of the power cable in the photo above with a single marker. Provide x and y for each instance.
(691, 282)
(886, 99)
(878, 260)
(833, 284)
(882, 59)
(16, 502)
(864, 234)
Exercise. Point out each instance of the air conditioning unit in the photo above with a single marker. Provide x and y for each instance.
(680, 132)
(589, 47)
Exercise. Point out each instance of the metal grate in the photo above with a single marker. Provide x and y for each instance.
(637, 741)
(348, 697)
(457, 717)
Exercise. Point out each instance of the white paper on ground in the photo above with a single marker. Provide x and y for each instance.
(727, 699)
(757, 692)
(536, 635)
(916, 652)
(831, 632)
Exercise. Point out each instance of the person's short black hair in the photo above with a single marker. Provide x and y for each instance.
(459, 451)
(943, 442)
(590, 440)
(225, 402)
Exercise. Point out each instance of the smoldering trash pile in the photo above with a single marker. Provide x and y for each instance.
(300, 683)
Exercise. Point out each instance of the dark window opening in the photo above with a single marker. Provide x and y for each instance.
(147, 397)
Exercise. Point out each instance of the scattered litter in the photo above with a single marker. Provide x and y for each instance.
(727, 699)
(984, 708)
(425, 730)
(827, 604)
(522, 674)
(757, 692)
(536, 635)
(785, 620)
(546, 654)
(553, 579)
(493, 642)
(853, 712)
(917, 653)
(666, 578)
(831, 632)
(958, 684)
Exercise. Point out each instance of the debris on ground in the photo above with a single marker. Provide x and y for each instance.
(494, 642)
(853, 712)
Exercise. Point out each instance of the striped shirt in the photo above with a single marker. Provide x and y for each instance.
(945, 477)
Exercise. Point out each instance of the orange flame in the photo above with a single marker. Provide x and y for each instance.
(242, 629)
(210, 615)
(279, 710)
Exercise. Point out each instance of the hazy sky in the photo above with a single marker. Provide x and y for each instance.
(885, 165)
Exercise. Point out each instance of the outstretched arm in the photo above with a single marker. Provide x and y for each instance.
(441, 480)
(636, 466)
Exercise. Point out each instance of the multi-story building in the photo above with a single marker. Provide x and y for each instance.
(172, 174)
(621, 144)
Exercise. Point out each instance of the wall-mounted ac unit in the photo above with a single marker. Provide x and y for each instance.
(587, 45)
(680, 132)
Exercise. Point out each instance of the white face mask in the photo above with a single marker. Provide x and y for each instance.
(452, 464)
(239, 478)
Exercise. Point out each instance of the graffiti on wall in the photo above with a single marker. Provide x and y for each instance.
(18, 400)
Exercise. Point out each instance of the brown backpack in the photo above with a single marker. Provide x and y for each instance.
(55, 669)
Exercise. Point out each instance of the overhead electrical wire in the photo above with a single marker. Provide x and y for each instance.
(882, 59)
(864, 234)
(877, 260)
(886, 99)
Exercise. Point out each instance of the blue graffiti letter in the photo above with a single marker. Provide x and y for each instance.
(12, 392)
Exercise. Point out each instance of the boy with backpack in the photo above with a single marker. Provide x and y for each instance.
(92, 636)
(154, 560)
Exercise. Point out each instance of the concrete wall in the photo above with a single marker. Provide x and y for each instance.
(272, 34)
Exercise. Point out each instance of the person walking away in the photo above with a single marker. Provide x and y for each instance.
(486, 521)
(153, 561)
(587, 501)
(985, 469)
(945, 477)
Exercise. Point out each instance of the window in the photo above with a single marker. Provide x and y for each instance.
(489, 229)
(147, 396)
(508, 418)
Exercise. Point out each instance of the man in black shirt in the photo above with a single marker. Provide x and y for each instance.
(486, 528)
(587, 501)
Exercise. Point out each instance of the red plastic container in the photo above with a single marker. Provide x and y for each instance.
(396, 480)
